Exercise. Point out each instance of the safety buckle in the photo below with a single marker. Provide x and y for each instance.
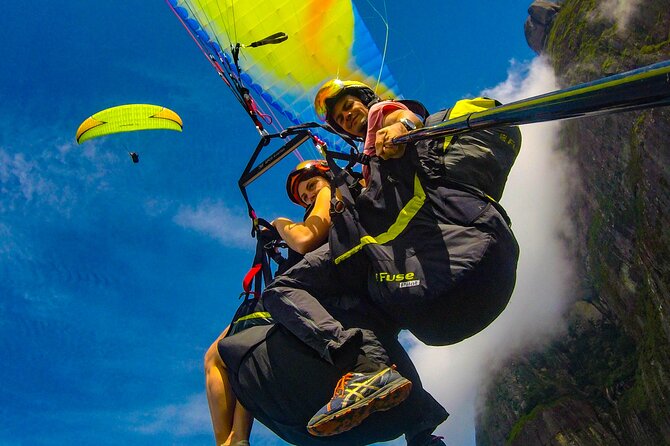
(338, 206)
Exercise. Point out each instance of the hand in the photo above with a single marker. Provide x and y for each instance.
(383, 146)
(268, 235)
(325, 190)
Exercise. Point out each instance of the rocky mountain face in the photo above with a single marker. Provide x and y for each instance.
(607, 380)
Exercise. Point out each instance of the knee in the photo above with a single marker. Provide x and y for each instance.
(212, 358)
(278, 283)
(274, 295)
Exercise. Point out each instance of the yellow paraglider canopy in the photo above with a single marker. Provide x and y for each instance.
(128, 118)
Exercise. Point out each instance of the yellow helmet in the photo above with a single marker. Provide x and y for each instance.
(332, 90)
(304, 171)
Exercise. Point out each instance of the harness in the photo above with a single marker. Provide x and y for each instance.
(250, 313)
(348, 236)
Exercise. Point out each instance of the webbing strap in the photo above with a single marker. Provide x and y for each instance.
(260, 271)
(249, 277)
(256, 315)
(407, 213)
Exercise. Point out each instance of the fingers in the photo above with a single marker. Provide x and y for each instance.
(380, 142)
(384, 147)
(393, 151)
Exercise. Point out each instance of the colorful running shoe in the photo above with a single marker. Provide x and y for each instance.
(356, 396)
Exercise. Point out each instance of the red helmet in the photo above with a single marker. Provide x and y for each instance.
(304, 171)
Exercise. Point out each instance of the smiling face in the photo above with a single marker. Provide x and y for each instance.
(309, 189)
(351, 115)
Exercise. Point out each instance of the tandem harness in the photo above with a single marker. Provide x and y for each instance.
(348, 235)
(440, 254)
(430, 168)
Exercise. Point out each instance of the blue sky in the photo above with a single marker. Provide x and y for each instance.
(115, 277)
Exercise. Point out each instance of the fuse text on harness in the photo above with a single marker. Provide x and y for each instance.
(386, 277)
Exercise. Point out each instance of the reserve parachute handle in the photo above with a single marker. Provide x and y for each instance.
(642, 88)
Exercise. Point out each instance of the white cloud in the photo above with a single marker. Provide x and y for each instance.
(157, 206)
(524, 80)
(508, 90)
(49, 176)
(619, 11)
(215, 220)
(9, 243)
(22, 180)
(535, 199)
(182, 420)
(190, 418)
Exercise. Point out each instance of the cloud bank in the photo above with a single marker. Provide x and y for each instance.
(50, 178)
(535, 200)
(212, 218)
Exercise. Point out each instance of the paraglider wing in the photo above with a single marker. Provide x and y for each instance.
(326, 39)
(128, 118)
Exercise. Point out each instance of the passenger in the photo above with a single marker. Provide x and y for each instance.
(262, 360)
(369, 383)
(309, 187)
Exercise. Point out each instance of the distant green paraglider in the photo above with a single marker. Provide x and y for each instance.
(128, 118)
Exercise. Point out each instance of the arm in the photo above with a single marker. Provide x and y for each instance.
(392, 128)
(306, 236)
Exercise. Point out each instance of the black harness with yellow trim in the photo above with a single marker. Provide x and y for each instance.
(441, 252)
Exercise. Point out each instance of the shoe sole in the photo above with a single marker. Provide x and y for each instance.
(352, 416)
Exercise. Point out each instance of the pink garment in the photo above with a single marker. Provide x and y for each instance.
(376, 120)
(376, 116)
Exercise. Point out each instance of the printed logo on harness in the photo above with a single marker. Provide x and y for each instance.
(409, 283)
(403, 280)
(387, 277)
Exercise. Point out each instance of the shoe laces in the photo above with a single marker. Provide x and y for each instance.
(341, 384)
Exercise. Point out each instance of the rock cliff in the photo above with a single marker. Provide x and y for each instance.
(607, 382)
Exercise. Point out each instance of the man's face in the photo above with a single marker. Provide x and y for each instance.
(351, 114)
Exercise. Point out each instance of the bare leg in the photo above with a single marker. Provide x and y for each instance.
(242, 421)
(230, 420)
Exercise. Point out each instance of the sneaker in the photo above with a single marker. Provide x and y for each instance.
(356, 396)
